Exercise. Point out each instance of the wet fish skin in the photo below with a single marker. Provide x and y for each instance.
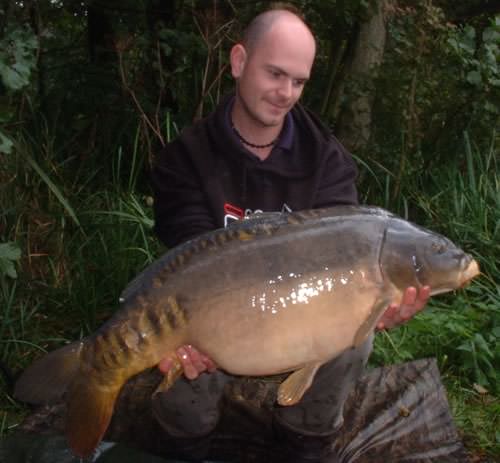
(282, 292)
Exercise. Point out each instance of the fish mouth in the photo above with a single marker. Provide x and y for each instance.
(470, 272)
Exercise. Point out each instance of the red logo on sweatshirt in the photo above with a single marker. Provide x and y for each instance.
(232, 213)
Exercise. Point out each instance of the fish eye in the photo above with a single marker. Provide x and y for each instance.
(438, 248)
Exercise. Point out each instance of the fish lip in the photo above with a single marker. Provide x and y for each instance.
(470, 271)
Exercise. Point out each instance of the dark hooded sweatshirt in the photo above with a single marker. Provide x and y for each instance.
(207, 178)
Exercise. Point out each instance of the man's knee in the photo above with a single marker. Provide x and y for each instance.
(191, 407)
(320, 411)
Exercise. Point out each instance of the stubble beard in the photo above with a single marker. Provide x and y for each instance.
(255, 117)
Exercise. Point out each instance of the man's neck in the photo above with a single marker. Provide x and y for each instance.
(253, 132)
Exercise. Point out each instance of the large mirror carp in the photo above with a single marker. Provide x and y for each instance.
(276, 293)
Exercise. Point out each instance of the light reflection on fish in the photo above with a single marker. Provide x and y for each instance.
(277, 293)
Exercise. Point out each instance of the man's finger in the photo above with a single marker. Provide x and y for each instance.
(423, 297)
(211, 367)
(196, 359)
(189, 370)
(408, 305)
(409, 296)
(385, 321)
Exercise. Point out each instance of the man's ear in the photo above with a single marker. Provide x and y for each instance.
(238, 59)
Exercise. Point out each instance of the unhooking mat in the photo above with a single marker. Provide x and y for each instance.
(394, 414)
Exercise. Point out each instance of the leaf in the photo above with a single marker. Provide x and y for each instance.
(167, 49)
(465, 347)
(491, 35)
(11, 78)
(495, 83)
(5, 144)
(480, 389)
(55, 190)
(474, 78)
(482, 345)
(7, 268)
(470, 32)
(17, 57)
(9, 253)
(491, 107)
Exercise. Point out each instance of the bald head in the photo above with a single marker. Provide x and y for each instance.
(271, 66)
(279, 22)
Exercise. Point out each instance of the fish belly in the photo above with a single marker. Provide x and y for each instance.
(258, 335)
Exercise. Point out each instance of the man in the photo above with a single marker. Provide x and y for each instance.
(259, 151)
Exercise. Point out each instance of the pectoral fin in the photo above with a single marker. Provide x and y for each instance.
(293, 388)
(171, 377)
(369, 324)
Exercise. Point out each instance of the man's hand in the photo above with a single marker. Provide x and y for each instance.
(193, 362)
(413, 302)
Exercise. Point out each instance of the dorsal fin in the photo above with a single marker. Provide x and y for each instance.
(242, 230)
(257, 219)
(265, 223)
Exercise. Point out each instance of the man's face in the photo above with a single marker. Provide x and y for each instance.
(271, 77)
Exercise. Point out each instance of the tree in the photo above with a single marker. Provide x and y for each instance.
(354, 121)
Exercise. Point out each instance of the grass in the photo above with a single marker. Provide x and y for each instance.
(477, 416)
(80, 246)
(461, 330)
(83, 239)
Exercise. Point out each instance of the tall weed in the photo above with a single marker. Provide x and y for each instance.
(81, 241)
(463, 329)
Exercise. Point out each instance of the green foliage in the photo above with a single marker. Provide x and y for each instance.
(82, 131)
(17, 62)
(461, 330)
(53, 188)
(69, 276)
(479, 64)
(450, 83)
(10, 253)
(5, 144)
(17, 57)
(477, 414)
(463, 204)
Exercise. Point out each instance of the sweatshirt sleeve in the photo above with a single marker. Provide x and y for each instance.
(181, 210)
(337, 185)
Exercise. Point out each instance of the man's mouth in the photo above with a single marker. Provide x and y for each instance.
(278, 107)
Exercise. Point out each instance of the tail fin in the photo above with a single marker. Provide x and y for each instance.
(46, 380)
(90, 408)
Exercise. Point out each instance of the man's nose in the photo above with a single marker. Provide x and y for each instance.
(285, 89)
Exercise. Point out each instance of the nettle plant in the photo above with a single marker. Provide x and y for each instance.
(479, 54)
(18, 46)
(9, 255)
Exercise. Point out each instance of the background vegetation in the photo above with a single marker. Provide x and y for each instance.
(90, 90)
